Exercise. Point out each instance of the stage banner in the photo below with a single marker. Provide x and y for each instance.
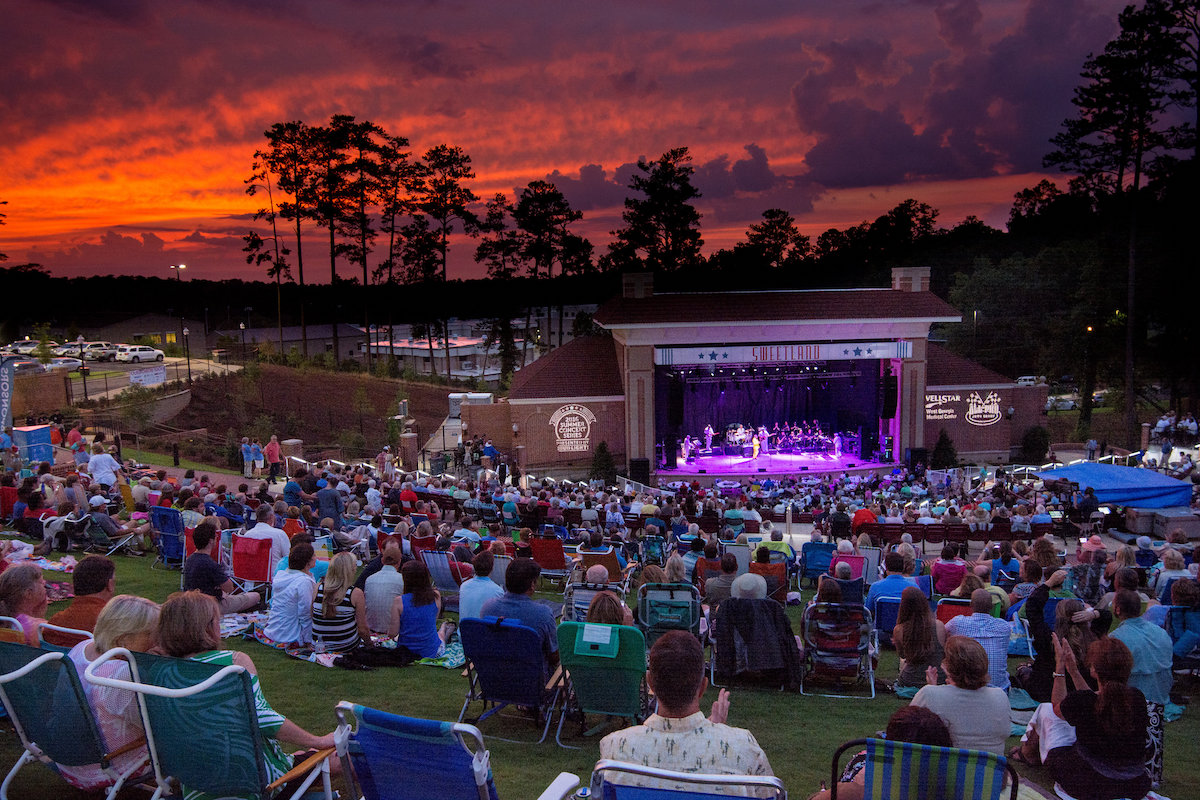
(7, 376)
(781, 353)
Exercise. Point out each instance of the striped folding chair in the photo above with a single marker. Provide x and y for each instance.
(899, 770)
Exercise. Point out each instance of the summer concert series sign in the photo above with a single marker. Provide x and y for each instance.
(572, 425)
(778, 353)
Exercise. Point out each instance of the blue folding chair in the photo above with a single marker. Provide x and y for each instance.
(402, 758)
(815, 558)
(899, 771)
(167, 524)
(666, 607)
(885, 613)
(506, 666)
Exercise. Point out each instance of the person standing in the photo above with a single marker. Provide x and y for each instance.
(1151, 670)
(256, 457)
(274, 459)
(247, 462)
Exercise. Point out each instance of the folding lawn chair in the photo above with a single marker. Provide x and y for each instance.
(605, 668)
(618, 780)
(885, 613)
(443, 574)
(814, 560)
(899, 770)
(45, 701)
(839, 644)
(858, 564)
(874, 557)
(653, 549)
(606, 558)
(252, 565)
(666, 607)
(127, 496)
(184, 704)
(402, 758)
(60, 638)
(776, 576)
(742, 553)
(752, 639)
(500, 569)
(950, 607)
(102, 542)
(577, 597)
(506, 666)
(551, 557)
(167, 524)
(853, 590)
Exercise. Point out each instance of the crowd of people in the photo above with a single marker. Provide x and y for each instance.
(1104, 670)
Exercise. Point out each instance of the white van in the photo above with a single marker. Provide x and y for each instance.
(1031, 380)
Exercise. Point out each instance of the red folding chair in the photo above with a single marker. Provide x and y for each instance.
(252, 565)
(857, 564)
(950, 607)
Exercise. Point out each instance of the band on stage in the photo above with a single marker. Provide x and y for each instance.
(787, 437)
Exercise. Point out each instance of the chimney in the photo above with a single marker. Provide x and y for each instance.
(637, 285)
(910, 279)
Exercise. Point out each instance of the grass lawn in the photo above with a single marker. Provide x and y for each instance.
(148, 457)
(798, 733)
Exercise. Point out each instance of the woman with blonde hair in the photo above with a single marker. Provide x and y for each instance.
(1126, 556)
(189, 626)
(909, 554)
(676, 569)
(340, 608)
(125, 621)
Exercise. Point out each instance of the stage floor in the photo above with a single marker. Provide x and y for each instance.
(774, 464)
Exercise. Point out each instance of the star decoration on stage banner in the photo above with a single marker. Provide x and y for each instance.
(712, 356)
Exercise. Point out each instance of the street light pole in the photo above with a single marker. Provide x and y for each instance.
(242, 325)
(187, 353)
(179, 268)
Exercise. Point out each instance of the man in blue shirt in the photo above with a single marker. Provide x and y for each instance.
(476, 591)
(893, 584)
(330, 503)
(247, 457)
(517, 603)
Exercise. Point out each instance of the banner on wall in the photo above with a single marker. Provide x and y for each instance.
(572, 425)
(976, 408)
(154, 376)
(7, 376)
(779, 353)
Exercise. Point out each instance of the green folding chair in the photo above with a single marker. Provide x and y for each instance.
(44, 699)
(605, 667)
(202, 729)
(899, 771)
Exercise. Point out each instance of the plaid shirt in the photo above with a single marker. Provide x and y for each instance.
(993, 634)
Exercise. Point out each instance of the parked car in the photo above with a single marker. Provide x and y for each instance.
(28, 367)
(136, 353)
(1061, 404)
(27, 346)
(1030, 380)
(64, 363)
(99, 351)
(68, 349)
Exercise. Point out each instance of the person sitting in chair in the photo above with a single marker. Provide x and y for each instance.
(678, 736)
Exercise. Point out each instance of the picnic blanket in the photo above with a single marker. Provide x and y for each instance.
(241, 624)
(59, 590)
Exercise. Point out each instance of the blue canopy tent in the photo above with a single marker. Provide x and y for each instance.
(1125, 486)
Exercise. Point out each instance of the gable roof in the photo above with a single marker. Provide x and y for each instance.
(583, 367)
(950, 369)
(783, 306)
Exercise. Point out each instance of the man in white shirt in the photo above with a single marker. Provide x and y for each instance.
(678, 737)
(265, 529)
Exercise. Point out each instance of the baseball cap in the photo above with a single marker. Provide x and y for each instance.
(98, 501)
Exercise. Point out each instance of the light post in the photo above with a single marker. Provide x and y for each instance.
(242, 325)
(179, 268)
(79, 346)
(187, 353)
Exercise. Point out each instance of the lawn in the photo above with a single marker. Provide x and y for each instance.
(798, 733)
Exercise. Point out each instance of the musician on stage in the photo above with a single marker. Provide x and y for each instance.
(754, 444)
(764, 438)
(837, 445)
(708, 437)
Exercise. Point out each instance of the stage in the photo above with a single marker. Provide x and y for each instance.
(773, 464)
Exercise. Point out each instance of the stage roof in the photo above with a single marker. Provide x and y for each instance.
(951, 369)
(583, 367)
(1127, 486)
(826, 304)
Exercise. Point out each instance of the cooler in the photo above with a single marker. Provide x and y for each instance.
(1140, 520)
(1168, 519)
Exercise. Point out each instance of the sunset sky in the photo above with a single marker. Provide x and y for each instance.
(128, 126)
